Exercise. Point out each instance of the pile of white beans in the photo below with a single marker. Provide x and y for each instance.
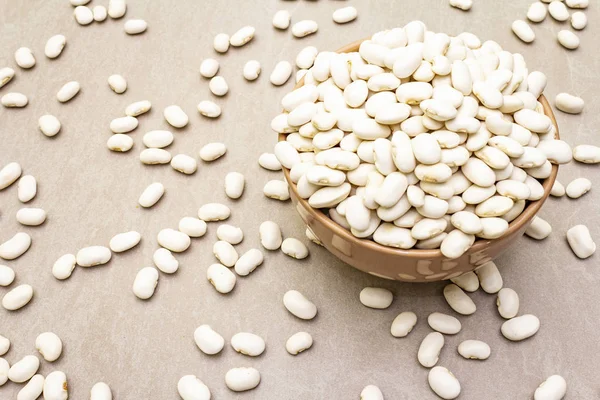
(559, 11)
(417, 140)
(420, 139)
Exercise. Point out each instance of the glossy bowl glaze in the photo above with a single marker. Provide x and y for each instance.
(412, 265)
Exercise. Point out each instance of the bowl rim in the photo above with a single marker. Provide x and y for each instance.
(480, 244)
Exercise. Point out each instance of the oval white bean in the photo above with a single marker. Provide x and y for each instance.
(378, 298)
(93, 256)
(33, 389)
(145, 283)
(214, 212)
(117, 83)
(49, 125)
(221, 278)
(116, 8)
(165, 261)
(175, 116)
(15, 246)
(520, 328)
(444, 323)
(24, 58)
(568, 103)
(248, 262)
(55, 46)
(242, 379)
(248, 344)
(24, 369)
(443, 383)
(208, 340)
(7, 276)
(508, 303)
(100, 13)
(553, 388)
(474, 350)
(281, 73)
(124, 241)
(190, 387)
(173, 240)
(294, 248)
(298, 305)
(523, 31)
(135, 26)
(458, 300)
(581, 241)
(298, 342)
(55, 386)
(14, 100)
(281, 20)
(568, 39)
(430, 348)
(304, 28)
(100, 391)
(221, 43)
(64, 266)
(403, 324)
(538, 229)
(345, 14)
(49, 345)
(242, 36)
(184, 164)
(31, 216)
(151, 195)
(68, 91)
(17, 298)
(578, 187)
(270, 235)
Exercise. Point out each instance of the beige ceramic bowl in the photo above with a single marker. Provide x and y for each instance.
(412, 265)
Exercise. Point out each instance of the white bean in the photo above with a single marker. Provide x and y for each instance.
(443, 383)
(489, 277)
(403, 324)
(523, 31)
(458, 300)
(294, 248)
(281, 73)
(537, 12)
(17, 298)
(24, 369)
(14, 100)
(553, 388)
(6, 75)
(298, 305)
(270, 235)
(33, 389)
(538, 229)
(304, 28)
(569, 103)
(7, 276)
(151, 195)
(49, 125)
(298, 342)
(467, 281)
(371, 392)
(221, 278)
(345, 14)
(558, 11)
(123, 124)
(31, 216)
(225, 253)
(248, 262)
(184, 164)
(221, 43)
(464, 5)
(578, 20)
(173, 240)
(24, 58)
(93, 255)
(248, 344)
(242, 379)
(190, 387)
(49, 345)
(378, 298)
(218, 86)
(508, 303)
(520, 328)
(138, 108)
(55, 386)
(117, 83)
(157, 139)
(474, 350)
(214, 212)
(100, 391)
(124, 241)
(9, 174)
(208, 340)
(100, 13)
(55, 46)
(444, 323)
(587, 154)
(568, 39)
(64, 266)
(251, 70)
(165, 261)
(193, 227)
(175, 116)
(135, 26)
(242, 36)
(581, 241)
(145, 283)
(15, 246)
(27, 188)
(277, 189)
(430, 348)
(578, 187)
(116, 8)
(281, 19)
(68, 91)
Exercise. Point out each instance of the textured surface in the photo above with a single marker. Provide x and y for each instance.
(142, 348)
